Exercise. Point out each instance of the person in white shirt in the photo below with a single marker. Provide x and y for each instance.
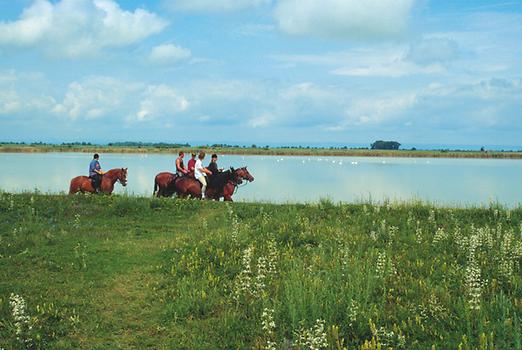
(200, 173)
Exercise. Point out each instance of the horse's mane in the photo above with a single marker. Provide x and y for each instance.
(113, 172)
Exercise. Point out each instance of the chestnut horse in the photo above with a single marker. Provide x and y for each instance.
(84, 183)
(164, 184)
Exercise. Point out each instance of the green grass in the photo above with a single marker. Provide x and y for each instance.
(275, 151)
(101, 272)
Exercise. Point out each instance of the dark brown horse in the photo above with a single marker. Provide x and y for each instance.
(84, 183)
(223, 185)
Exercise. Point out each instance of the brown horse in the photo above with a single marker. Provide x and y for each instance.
(84, 183)
(164, 184)
(223, 185)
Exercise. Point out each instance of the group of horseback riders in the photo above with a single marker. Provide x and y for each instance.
(194, 180)
(195, 168)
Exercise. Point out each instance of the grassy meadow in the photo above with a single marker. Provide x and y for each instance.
(100, 272)
(268, 151)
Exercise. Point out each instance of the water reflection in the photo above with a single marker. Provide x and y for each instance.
(294, 179)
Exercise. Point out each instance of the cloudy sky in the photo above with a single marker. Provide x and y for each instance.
(262, 71)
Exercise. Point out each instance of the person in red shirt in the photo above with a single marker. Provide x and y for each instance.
(192, 163)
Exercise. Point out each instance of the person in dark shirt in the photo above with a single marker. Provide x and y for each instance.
(180, 167)
(95, 172)
(213, 167)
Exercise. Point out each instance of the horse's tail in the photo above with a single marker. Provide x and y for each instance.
(155, 186)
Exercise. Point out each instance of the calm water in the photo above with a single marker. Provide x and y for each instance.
(294, 179)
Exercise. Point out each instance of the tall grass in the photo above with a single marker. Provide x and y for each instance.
(127, 272)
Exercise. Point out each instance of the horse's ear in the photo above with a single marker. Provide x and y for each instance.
(232, 169)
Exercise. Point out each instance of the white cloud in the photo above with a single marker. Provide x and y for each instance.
(213, 5)
(261, 121)
(93, 98)
(160, 101)
(343, 18)
(78, 27)
(21, 92)
(395, 69)
(168, 53)
(378, 110)
(113, 99)
(378, 61)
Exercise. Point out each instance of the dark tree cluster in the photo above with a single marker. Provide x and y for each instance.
(385, 145)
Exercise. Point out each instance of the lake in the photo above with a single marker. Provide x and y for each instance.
(281, 179)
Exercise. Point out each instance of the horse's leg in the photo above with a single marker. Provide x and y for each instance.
(227, 194)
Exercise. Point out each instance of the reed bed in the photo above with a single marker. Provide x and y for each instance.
(272, 151)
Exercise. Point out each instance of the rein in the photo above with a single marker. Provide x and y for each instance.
(238, 184)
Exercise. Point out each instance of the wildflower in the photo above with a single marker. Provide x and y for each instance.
(272, 258)
(235, 228)
(418, 234)
(244, 279)
(260, 281)
(268, 326)
(21, 320)
(474, 283)
(392, 231)
(440, 235)
(76, 222)
(507, 255)
(432, 310)
(381, 264)
(431, 217)
(312, 338)
(352, 312)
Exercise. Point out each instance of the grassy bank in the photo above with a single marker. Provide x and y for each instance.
(287, 151)
(133, 273)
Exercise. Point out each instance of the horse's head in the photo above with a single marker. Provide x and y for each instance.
(122, 176)
(244, 174)
(236, 179)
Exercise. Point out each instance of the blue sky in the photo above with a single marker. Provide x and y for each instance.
(262, 71)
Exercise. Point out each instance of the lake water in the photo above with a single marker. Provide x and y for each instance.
(294, 179)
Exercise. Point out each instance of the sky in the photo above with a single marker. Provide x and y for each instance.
(277, 72)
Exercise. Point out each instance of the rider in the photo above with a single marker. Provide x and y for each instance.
(192, 162)
(95, 172)
(200, 172)
(212, 166)
(180, 167)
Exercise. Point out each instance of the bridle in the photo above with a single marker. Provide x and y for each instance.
(239, 181)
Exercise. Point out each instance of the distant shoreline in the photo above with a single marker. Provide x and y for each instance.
(272, 151)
